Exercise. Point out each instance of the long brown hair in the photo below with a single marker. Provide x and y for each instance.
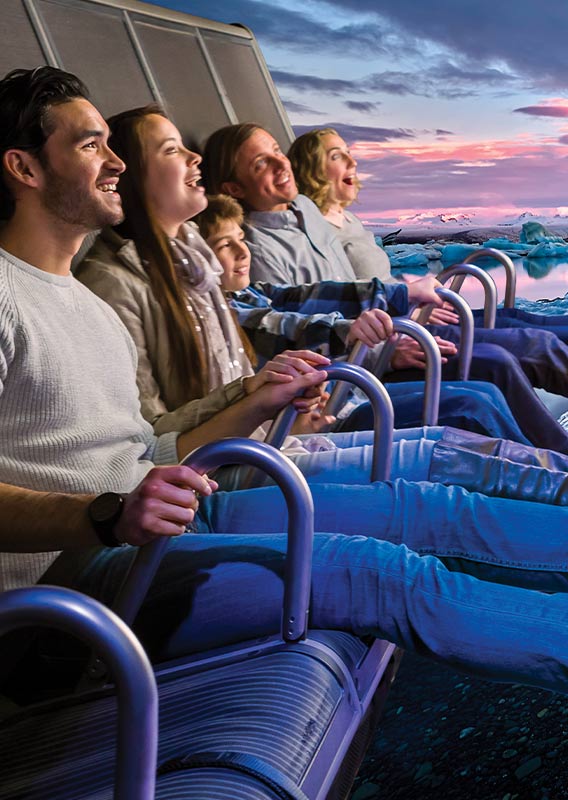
(220, 154)
(140, 225)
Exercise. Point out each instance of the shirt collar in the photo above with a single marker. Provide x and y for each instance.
(290, 218)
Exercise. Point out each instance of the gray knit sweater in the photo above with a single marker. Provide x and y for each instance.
(69, 411)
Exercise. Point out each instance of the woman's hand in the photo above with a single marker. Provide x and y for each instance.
(409, 354)
(423, 291)
(284, 368)
(314, 421)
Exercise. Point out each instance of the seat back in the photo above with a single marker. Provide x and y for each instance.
(206, 74)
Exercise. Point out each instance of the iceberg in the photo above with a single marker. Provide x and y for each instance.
(511, 248)
(456, 252)
(412, 255)
(551, 249)
(535, 233)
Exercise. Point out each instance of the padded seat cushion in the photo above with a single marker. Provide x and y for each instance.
(276, 706)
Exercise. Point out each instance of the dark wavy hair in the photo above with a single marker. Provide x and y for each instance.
(140, 225)
(26, 97)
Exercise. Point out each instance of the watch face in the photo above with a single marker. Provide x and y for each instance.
(106, 507)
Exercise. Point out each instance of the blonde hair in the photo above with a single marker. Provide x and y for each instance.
(220, 208)
(308, 158)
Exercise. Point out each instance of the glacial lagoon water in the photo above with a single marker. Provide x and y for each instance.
(542, 283)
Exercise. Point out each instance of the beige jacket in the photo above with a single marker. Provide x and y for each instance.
(113, 270)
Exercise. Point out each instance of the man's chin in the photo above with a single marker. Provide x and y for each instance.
(111, 218)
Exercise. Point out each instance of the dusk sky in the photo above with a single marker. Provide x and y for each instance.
(448, 105)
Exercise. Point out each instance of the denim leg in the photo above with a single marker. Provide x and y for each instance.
(360, 438)
(492, 538)
(475, 406)
(216, 590)
(494, 364)
(518, 318)
(411, 459)
(542, 355)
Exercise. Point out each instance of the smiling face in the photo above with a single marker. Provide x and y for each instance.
(79, 173)
(341, 170)
(228, 243)
(172, 175)
(263, 175)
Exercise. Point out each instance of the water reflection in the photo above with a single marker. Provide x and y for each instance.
(539, 268)
(537, 278)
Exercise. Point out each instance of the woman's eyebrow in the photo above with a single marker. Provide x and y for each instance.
(168, 139)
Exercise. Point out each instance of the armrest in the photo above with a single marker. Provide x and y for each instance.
(490, 308)
(382, 411)
(300, 531)
(136, 690)
(433, 371)
(510, 272)
(466, 327)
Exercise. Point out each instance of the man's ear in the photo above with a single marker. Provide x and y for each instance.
(21, 166)
(233, 188)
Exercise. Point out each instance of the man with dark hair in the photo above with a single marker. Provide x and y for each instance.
(70, 428)
(70, 420)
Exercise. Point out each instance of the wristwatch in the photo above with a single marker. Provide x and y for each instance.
(104, 512)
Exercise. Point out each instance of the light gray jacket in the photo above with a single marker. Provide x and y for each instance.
(114, 271)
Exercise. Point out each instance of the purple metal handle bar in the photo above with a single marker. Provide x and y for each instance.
(433, 371)
(300, 531)
(136, 690)
(510, 273)
(466, 327)
(490, 308)
(382, 411)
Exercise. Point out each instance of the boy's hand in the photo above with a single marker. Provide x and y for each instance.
(314, 421)
(372, 327)
(444, 315)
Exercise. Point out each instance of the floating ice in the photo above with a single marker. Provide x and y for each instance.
(535, 233)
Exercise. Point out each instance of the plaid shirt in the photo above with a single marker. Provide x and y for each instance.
(314, 316)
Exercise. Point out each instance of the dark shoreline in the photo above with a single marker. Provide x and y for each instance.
(466, 236)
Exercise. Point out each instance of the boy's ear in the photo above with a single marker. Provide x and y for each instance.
(21, 166)
(233, 189)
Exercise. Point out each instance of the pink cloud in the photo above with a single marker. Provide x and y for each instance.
(457, 151)
(491, 179)
(555, 107)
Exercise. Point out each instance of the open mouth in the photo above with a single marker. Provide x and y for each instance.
(108, 187)
(283, 180)
(193, 181)
(349, 180)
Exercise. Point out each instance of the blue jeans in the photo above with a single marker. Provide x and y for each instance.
(491, 538)
(352, 459)
(500, 367)
(470, 405)
(518, 318)
(213, 590)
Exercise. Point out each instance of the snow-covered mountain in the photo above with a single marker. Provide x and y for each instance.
(425, 218)
(529, 216)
